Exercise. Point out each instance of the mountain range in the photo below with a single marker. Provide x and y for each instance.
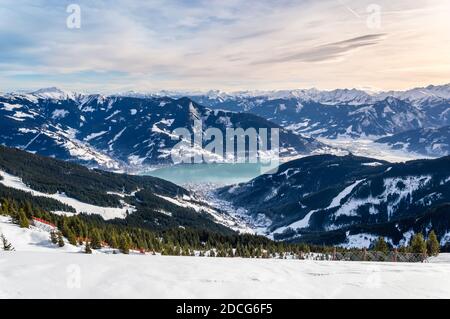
(114, 132)
(342, 113)
(134, 129)
(310, 198)
(321, 199)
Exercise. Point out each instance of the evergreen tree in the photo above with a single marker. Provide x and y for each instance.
(87, 248)
(60, 240)
(381, 245)
(71, 238)
(433, 246)
(418, 244)
(125, 243)
(6, 246)
(95, 239)
(53, 237)
(112, 239)
(28, 209)
(23, 219)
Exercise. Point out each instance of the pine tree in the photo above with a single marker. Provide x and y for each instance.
(381, 245)
(433, 246)
(23, 219)
(95, 240)
(5, 244)
(53, 237)
(71, 238)
(87, 248)
(418, 244)
(28, 209)
(60, 240)
(125, 243)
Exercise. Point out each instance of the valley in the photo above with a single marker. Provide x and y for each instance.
(352, 164)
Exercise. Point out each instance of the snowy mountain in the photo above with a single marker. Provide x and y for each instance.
(327, 198)
(427, 141)
(420, 96)
(333, 97)
(352, 113)
(69, 189)
(114, 131)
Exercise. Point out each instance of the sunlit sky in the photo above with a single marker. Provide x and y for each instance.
(227, 45)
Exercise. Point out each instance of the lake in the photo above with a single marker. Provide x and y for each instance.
(220, 174)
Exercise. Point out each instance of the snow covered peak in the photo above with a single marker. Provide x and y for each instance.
(418, 95)
(54, 93)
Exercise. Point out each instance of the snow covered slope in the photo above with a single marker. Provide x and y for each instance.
(31, 239)
(427, 141)
(80, 207)
(47, 275)
(326, 198)
(141, 201)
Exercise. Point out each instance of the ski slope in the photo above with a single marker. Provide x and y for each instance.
(39, 269)
(72, 275)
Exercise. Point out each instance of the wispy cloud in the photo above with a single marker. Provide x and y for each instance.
(233, 44)
(329, 51)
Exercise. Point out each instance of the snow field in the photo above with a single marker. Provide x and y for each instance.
(69, 275)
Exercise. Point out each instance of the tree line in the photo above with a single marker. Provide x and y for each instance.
(92, 232)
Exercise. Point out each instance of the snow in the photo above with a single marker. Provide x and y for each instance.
(59, 114)
(445, 239)
(72, 275)
(39, 269)
(22, 115)
(202, 206)
(112, 115)
(337, 200)
(224, 212)
(136, 160)
(10, 107)
(30, 239)
(302, 223)
(80, 207)
(94, 135)
(115, 138)
(368, 148)
(373, 164)
(392, 193)
(406, 238)
(53, 93)
(362, 240)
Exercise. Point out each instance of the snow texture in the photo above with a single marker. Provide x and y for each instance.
(80, 207)
(47, 275)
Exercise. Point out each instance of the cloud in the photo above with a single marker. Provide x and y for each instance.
(256, 34)
(231, 45)
(329, 51)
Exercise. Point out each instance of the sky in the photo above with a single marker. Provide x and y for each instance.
(227, 45)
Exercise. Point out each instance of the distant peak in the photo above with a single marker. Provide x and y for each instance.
(52, 89)
(54, 93)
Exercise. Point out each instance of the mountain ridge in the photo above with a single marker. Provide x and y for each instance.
(117, 132)
(326, 193)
